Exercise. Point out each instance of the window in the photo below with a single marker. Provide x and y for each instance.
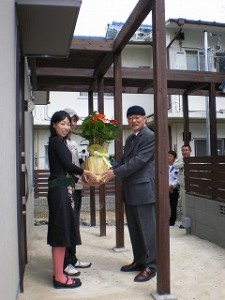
(85, 94)
(46, 157)
(200, 147)
(220, 61)
(195, 60)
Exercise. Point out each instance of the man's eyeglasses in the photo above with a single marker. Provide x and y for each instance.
(132, 118)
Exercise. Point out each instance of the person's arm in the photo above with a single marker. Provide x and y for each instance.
(61, 151)
(179, 163)
(175, 182)
(173, 179)
(145, 153)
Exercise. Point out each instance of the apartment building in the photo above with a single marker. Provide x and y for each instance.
(191, 45)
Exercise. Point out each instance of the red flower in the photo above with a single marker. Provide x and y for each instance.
(113, 121)
(97, 129)
(98, 116)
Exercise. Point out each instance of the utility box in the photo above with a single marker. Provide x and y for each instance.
(186, 222)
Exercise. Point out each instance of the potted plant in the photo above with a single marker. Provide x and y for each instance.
(99, 132)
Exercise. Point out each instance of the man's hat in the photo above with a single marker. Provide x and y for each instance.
(135, 110)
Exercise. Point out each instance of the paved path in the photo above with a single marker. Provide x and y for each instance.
(197, 269)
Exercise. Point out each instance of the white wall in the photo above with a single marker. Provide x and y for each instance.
(61, 100)
(135, 56)
(29, 157)
(194, 39)
(9, 281)
(198, 131)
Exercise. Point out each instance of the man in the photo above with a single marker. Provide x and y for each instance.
(173, 187)
(137, 173)
(179, 164)
(71, 261)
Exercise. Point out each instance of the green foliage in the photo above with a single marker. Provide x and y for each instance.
(98, 130)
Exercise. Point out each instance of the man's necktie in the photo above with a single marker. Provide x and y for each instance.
(133, 137)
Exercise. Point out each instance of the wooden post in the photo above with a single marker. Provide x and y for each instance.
(161, 138)
(119, 211)
(186, 119)
(92, 189)
(212, 117)
(102, 205)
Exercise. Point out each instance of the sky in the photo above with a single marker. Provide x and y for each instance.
(96, 14)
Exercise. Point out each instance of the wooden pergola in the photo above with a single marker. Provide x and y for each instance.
(95, 65)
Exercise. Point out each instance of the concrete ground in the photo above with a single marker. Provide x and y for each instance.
(197, 269)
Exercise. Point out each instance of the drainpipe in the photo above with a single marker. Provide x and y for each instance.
(180, 23)
(171, 42)
(207, 98)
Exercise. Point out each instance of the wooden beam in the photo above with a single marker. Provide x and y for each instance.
(102, 69)
(195, 76)
(96, 45)
(66, 72)
(196, 87)
(134, 21)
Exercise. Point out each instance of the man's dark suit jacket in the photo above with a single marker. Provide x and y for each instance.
(136, 168)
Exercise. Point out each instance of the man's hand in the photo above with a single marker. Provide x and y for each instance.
(107, 176)
(170, 189)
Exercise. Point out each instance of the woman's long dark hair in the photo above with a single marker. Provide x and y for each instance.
(57, 117)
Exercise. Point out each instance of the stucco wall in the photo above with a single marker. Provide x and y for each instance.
(9, 281)
(207, 219)
(61, 100)
(198, 131)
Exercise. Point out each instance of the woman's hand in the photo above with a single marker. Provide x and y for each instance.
(90, 178)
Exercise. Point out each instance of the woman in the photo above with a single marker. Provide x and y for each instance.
(61, 226)
(71, 262)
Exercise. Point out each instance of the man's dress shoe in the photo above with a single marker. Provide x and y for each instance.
(144, 275)
(130, 268)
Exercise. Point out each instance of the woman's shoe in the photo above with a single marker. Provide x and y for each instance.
(60, 285)
(73, 278)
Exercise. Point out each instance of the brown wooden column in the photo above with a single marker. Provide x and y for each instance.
(92, 189)
(161, 139)
(102, 205)
(212, 117)
(119, 209)
(186, 119)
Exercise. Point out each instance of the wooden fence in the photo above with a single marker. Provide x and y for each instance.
(41, 185)
(205, 176)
